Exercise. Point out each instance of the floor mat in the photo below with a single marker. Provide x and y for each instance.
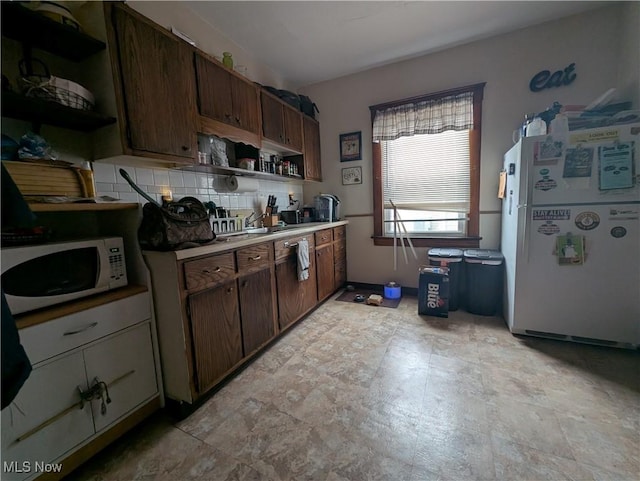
(349, 296)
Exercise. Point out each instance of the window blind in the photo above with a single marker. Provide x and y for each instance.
(427, 172)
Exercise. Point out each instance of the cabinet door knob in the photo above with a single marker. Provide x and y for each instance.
(245, 284)
(230, 290)
(185, 148)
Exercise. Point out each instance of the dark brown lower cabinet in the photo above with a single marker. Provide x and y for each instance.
(232, 302)
(340, 274)
(325, 271)
(340, 256)
(295, 297)
(217, 340)
(257, 309)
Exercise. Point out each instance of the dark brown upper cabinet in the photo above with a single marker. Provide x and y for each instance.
(226, 97)
(281, 123)
(312, 162)
(155, 87)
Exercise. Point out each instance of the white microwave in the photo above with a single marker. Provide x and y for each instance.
(42, 275)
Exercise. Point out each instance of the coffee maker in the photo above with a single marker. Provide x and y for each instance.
(327, 207)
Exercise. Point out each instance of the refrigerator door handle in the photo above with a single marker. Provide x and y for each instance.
(525, 232)
(525, 208)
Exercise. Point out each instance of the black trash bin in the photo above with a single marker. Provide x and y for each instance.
(484, 274)
(453, 259)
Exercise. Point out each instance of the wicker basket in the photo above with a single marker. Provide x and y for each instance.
(54, 89)
(45, 86)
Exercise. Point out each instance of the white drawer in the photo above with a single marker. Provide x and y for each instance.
(51, 338)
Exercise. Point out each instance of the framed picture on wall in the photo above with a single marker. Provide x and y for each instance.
(350, 146)
(352, 175)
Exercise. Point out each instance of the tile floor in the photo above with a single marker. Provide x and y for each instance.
(357, 392)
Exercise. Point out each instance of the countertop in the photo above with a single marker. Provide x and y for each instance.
(231, 242)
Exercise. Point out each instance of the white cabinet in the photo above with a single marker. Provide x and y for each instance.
(125, 364)
(50, 394)
(87, 387)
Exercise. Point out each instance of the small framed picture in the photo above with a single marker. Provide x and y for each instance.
(350, 146)
(352, 175)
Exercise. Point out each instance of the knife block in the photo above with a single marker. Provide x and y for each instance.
(270, 220)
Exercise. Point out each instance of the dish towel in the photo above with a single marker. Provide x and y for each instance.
(303, 260)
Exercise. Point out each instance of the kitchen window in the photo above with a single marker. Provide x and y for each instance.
(426, 161)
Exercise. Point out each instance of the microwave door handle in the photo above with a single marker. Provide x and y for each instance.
(103, 268)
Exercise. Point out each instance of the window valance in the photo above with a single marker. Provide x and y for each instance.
(454, 112)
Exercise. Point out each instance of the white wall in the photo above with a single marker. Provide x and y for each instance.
(506, 63)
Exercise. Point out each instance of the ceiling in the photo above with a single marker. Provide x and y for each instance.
(310, 41)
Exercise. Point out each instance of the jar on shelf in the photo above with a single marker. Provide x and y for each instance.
(227, 60)
(88, 179)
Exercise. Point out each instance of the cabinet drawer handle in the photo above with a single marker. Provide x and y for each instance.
(207, 271)
(85, 328)
(256, 258)
(292, 244)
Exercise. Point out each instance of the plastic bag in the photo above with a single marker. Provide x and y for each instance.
(219, 152)
(34, 147)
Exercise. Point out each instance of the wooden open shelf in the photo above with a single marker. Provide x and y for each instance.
(216, 169)
(80, 206)
(17, 106)
(24, 25)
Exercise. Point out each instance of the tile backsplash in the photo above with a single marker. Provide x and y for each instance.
(203, 186)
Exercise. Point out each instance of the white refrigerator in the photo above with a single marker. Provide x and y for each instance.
(570, 236)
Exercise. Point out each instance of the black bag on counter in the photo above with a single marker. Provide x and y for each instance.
(173, 226)
(307, 106)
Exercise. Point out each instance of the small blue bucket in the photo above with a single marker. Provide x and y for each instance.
(392, 291)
